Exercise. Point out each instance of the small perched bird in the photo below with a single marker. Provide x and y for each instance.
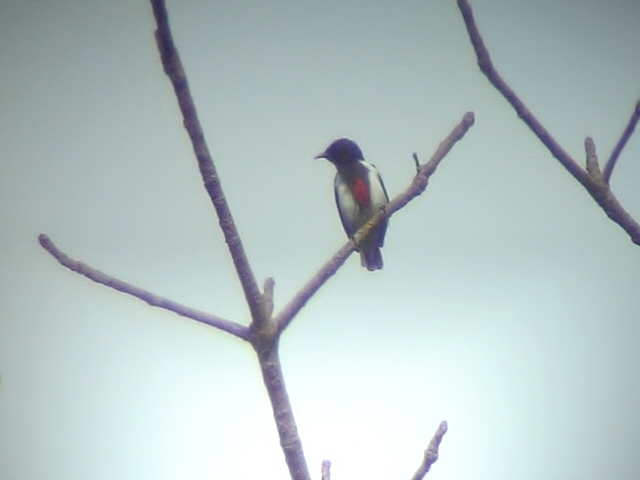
(359, 193)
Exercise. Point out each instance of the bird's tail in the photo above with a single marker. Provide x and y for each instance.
(371, 258)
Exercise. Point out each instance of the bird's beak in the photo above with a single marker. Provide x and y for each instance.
(321, 155)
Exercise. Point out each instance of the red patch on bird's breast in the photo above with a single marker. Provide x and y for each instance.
(360, 191)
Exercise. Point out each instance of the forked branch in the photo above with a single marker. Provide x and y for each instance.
(592, 179)
(264, 331)
(284, 318)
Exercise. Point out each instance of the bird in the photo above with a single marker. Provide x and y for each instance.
(359, 194)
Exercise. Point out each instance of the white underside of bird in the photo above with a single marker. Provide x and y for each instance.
(354, 214)
(348, 205)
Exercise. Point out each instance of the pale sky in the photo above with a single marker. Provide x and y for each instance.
(509, 304)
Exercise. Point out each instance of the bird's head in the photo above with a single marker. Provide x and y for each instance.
(342, 152)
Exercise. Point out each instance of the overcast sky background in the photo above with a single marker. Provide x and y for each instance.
(509, 304)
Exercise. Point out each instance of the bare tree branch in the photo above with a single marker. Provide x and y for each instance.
(486, 66)
(267, 349)
(264, 331)
(431, 453)
(174, 70)
(97, 276)
(624, 138)
(418, 185)
(593, 181)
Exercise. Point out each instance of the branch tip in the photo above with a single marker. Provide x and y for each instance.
(469, 119)
(431, 453)
(326, 470)
(269, 284)
(593, 169)
(267, 297)
(44, 241)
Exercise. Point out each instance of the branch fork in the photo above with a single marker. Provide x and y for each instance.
(591, 178)
(265, 329)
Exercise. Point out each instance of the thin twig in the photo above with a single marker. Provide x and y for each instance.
(97, 276)
(267, 297)
(326, 470)
(624, 138)
(174, 70)
(593, 168)
(595, 185)
(431, 453)
(418, 185)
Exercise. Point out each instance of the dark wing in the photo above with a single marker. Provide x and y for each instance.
(382, 229)
(347, 207)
